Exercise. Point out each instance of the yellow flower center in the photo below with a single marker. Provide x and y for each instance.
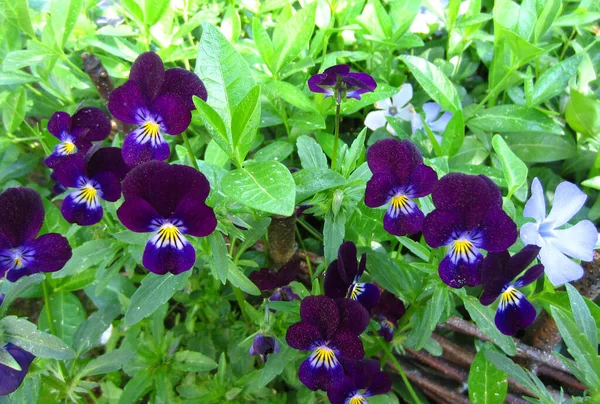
(509, 296)
(18, 262)
(151, 128)
(88, 194)
(357, 399)
(356, 290)
(323, 356)
(399, 201)
(462, 246)
(69, 147)
(169, 235)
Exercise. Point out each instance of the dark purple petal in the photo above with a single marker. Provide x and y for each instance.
(303, 336)
(148, 72)
(462, 273)
(404, 223)
(389, 306)
(346, 262)
(107, 159)
(368, 296)
(381, 383)
(135, 152)
(198, 219)
(184, 84)
(498, 230)
(421, 181)
(379, 189)
(50, 253)
(349, 345)
(530, 276)
(334, 286)
(316, 82)
(488, 298)
(343, 392)
(110, 187)
(161, 260)
(138, 181)
(17, 273)
(515, 316)
(175, 117)
(124, 102)
(94, 120)
(21, 215)
(69, 170)
(59, 123)
(354, 318)
(74, 210)
(320, 378)
(494, 275)
(439, 225)
(263, 346)
(137, 214)
(323, 312)
(394, 157)
(521, 260)
(361, 372)
(362, 265)
(11, 379)
(286, 294)
(386, 330)
(267, 279)
(333, 72)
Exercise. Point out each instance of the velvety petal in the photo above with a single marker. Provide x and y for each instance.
(263, 345)
(175, 116)
(379, 188)
(494, 274)
(286, 294)
(462, 273)
(386, 330)
(59, 123)
(404, 223)
(184, 84)
(421, 181)
(15, 274)
(488, 297)
(110, 186)
(265, 279)
(321, 378)
(362, 265)
(148, 72)
(515, 316)
(403, 96)
(536, 205)
(303, 336)
(558, 267)
(69, 170)
(11, 379)
(389, 306)
(138, 181)
(395, 157)
(93, 119)
(568, 200)
(530, 276)
(381, 383)
(354, 318)
(577, 241)
(125, 101)
(349, 345)
(318, 80)
(439, 225)
(50, 253)
(375, 120)
(439, 126)
(198, 219)
(107, 159)
(137, 215)
(358, 83)
(21, 215)
(334, 286)
(321, 311)
(161, 260)
(80, 212)
(135, 153)
(347, 264)
(521, 260)
(498, 231)
(368, 296)
(361, 372)
(342, 392)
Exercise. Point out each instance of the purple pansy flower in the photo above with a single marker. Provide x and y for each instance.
(399, 175)
(95, 176)
(159, 102)
(264, 346)
(468, 216)
(76, 133)
(388, 311)
(21, 253)
(363, 379)
(343, 278)
(168, 201)
(330, 329)
(497, 273)
(577, 241)
(338, 81)
(11, 379)
(278, 280)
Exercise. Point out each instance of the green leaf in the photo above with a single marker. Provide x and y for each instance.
(310, 153)
(484, 318)
(313, 180)
(67, 312)
(263, 43)
(16, 77)
(487, 383)
(231, 25)
(239, 280)
(291, 94)
(137, 387)
(539, 147)
(434, 82)
(578, 18)
(546, 18)
(85, 256)
(583, 114)
(401, 281)
(279, 150)
(514, 118)
(190, 361)
(8, 360)
(515, 171)
(25, 335)
(214, 125)
(582, 315)
(265, 186)
(554, 80)
(416, 248)
(154, 10)
(334, 230)
(16, 60)
(351, 158)
(90, 331)
(454, 135)
(219, 255)
(14, 108)
(434, 309)
(276, 364)
(291, 36)
(63, 16)
(245, 124)
(154, 291)
(109, 362)
(259, 229)
(16, 12)
(19, 288)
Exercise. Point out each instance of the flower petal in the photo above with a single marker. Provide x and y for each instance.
(558, 267)
(536, 205)
(148, 72)
(516, 315)
(439, 225)
(488, 297)
(21, 215)
(369, 295)
(342, 392)
(172, 110)
(139, 180)
(421, 181)
(139, 150)
(577, 241)
(107, 159)
(184, 84)
(403, 222)
(334, 286)
(137, 215)
(521, 260)
(321, 311)
(403, 96)
(381, 383)
(432, 111)
(383, 104)
(59, 123)
(354, 318)
(110, 186)
(361, 372)
(198, 219)
(125, 101)
(76, 210)
(349, 345)
(303, 336)
(568, 200)
(168, 258)
(94, 120)
(439, 125)
(347, 263)
(389, 306)
(498, 231)
(395, 157)
(11, 378)
(50, 253)
(379, 188)
(461, 273)
(69, 170)
(494, 275)
(375, 120)
(530, 276)
(321, 378)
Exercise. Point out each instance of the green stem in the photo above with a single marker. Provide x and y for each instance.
(496, 89)
(337, 134)
(188, 147)
(239, 296)
(392, 357)
(310, 229)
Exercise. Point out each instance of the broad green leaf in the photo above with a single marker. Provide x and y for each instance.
(231, 25)
(310, 181)
(514, 118)
(334, 230)
(239, 280)
(434, 82)
(8, 360)
(67, 314)
(154, 291)
(25, 335)
(215, 155)
(63, 15)
(109, 362)
(454, 135)
(351, 158)
(19, 288)
(515, 171)
(350, 105)
(137, 387)
(484, 318)
(154, 10)
(527, 19)
(310, 153)
(540, 147)
(85, 256)
(523, 50)
(582, 316)
(276, 364)
(245, 124)
(416, 248)
(546, 18)
(89, 332)
(263, 43)
(190, 361)
(215, 126)
(554, 80)
(487, 383)
(429, 317)
(291, 36)
(279, 150)
(291, 94)
(219, 255)
(578, 18)
(583, 114)
(400, 280)
(265, 186)
(259, 228)
(16, 12)
(16, 77)
(13, 110)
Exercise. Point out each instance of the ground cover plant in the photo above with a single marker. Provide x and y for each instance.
(342, 201)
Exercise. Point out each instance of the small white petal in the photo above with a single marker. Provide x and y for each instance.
(404, 95)
(406, 113)
(577, 241)
(536, 205)
(568, 200)
(530, 235)
(416, 123)
(432, 111)
(383, 104)
(439, 126)
(558, 267)
(375, 120)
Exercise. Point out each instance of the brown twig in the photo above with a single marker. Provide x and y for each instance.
(562, 377)
(457, 354)
(447, 369)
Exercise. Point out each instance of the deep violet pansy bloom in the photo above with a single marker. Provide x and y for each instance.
(11, 379)
(264, 346)
(169, 202)
(468, 216)
(278, 280)
(387, 312)
(76, 133)
(339, 82)
(363, 379)
(21, 253)
(399, 176)
(95, 176)
(556, 244)
(330, 329)
(498, 271)
(159, 102)
(343, 278)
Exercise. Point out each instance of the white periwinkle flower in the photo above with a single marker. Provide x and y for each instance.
(436, 123)
(396, 106)
(577, 241)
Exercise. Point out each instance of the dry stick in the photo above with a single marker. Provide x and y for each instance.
(447, 369)
(282, 238)
(562, 377)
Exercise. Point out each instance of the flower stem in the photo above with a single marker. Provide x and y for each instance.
(239, 296)
(337, 135)
(188, 147)
(392, 357)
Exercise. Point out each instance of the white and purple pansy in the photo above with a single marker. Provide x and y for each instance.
(468, 216)
(158, 102)
(399, 176)
(91, 178)
(498, 271)
(22, 253)
(169, 202)
(363, 379)
(330, 330)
